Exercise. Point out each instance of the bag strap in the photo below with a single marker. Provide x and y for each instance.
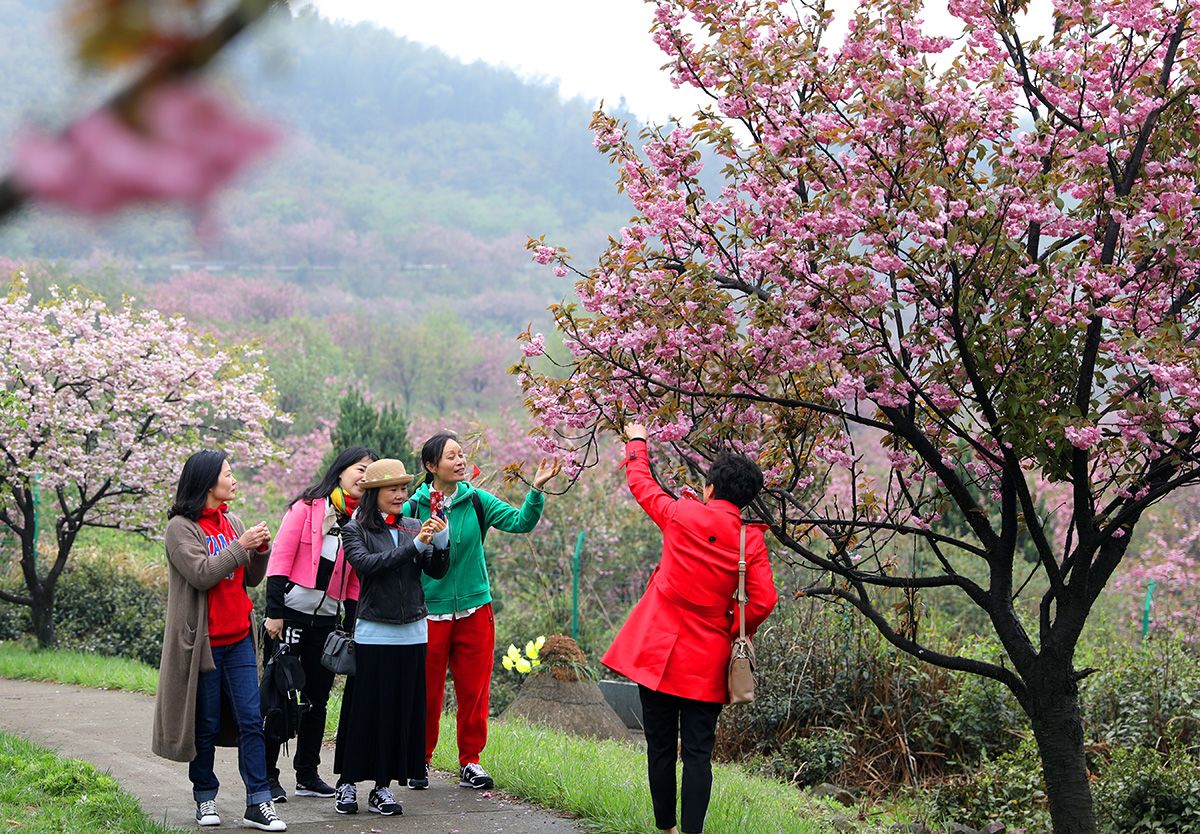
(741, 591)
(479, 514)
(337, 622)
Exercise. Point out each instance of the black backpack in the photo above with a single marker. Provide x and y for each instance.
(279, 696)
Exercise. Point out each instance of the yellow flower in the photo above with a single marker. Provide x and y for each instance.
(523, 666)
(507, 662)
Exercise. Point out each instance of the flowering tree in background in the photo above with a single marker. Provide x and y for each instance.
(1164, 569)
(101, 407)
(991, 261)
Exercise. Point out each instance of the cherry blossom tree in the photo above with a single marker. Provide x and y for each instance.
(985, 250)
(100, 409)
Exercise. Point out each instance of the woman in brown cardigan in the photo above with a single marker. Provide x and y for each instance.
(208, 651)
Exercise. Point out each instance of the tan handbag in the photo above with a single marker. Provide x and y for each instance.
(741, 656)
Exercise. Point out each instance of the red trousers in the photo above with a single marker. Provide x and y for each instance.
(468, 648)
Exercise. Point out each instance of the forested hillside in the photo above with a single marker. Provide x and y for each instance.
(402, 170)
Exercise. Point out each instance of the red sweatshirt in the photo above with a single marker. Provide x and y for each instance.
(228, 606)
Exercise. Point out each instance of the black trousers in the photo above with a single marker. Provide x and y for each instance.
(307, 642)
(679, 728)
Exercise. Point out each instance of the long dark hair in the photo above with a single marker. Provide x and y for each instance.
(431, 452)
(367, 513)
(324, 487)
(199, 475)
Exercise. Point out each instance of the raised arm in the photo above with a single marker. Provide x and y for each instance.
(646, 491)
(503, 516)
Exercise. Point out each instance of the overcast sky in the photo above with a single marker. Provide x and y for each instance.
(594, 48)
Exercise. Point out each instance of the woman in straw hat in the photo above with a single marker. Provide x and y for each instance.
(381, 736)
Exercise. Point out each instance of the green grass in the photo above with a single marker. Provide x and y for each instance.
(604, 782)
(90, 670)
(40, 792)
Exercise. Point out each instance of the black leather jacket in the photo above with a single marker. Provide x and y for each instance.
(390, 574)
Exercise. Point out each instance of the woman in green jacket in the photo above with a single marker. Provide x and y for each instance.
(462, 630)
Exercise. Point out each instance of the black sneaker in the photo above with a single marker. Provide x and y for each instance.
(263, 817)
(206, 813)
(474, 776)
(347, 798)
(420, 783)
(314, 785)
(383, 801)
(278, 794)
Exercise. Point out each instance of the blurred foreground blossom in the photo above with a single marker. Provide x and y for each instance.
(187, 143)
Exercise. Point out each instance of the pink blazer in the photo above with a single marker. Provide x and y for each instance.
(296, 551)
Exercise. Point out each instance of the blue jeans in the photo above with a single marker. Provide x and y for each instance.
(237, 675)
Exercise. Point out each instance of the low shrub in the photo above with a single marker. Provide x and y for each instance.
(1141, 792)
(829, 686)
(104, 607)
(1144, 695)
(1008, 788)
(14, 619)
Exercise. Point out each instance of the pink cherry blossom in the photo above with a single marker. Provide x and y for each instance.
(187, 143)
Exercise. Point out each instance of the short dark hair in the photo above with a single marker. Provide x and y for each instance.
(199, 475)
(324, 487)
(431, 452)
(735, 478)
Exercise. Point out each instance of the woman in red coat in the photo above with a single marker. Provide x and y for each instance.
(675, 644)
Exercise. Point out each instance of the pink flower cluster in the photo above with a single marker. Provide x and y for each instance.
(186, 143)
(106, 404)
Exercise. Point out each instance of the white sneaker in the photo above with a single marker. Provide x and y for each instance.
(263, 817)
(474, 776)
(206, 813)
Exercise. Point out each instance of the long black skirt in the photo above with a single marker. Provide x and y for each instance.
(381, 733)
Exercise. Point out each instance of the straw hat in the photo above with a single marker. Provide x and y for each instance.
(385, 472)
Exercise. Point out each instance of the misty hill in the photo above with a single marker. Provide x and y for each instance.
(399, 162)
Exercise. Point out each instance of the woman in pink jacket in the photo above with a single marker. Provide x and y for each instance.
(308, 581)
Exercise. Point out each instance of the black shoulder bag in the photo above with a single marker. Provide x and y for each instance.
(338, 653)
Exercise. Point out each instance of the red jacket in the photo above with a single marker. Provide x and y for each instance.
(677, 637)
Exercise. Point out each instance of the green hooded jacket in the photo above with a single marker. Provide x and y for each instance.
(466, 584)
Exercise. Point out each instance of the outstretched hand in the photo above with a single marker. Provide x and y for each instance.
(635, 431)
(546, 471)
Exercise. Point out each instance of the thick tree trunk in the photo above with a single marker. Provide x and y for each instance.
(43, 618)
(1058, 728)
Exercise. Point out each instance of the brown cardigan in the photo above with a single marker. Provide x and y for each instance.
(186, 651)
